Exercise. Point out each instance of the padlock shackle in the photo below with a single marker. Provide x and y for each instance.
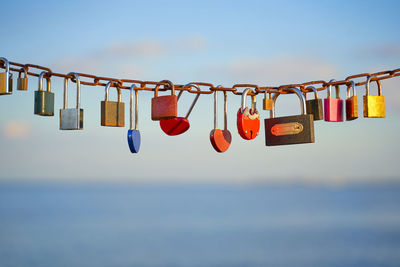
(378, 82)
(352, 85)
(107, 90)
(133, 88)
(216, 109)
(253, 101)
(313, 89)
(330, 90)
(298, 93)
(41, 76)
(23, 69)
(7, 85)
(194, 101)
(170, 85)
(78, 92)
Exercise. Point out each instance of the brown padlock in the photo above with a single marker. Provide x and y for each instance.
(164, 107)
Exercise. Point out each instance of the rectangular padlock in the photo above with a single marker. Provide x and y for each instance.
(333, 107)
(268, 103)
(3, 88)
(315, 107)
(112, 113)
(44, 103)
(374, 106)
(22, 82)
(352, 108)
(69, 119)
(164, 107)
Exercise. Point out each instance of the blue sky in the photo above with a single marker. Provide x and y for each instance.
(222, 42)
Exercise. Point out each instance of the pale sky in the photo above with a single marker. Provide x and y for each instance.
(222, 42)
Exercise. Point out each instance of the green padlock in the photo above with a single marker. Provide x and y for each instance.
(44, 100)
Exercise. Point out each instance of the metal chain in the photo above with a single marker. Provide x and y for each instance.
(235, 89)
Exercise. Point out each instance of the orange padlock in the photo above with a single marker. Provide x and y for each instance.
(164, 107)
(248, 120)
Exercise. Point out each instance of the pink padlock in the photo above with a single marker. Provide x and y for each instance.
(333, 107)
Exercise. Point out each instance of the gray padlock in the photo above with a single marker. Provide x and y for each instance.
(44, 100)
(6, 81)
(72, 118)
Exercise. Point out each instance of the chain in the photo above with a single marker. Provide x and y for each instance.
(93, 80)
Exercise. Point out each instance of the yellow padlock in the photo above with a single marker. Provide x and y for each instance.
(374, 105)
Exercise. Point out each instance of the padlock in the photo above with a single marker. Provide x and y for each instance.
(6, 80)
(248, 120)
(164, 107)
(112, 112)
(333, 107)
(220, 139)
(22, 82)
(72, 118)
(289, 130)
(351, 103)
(179, 125)
(133, 133)
(314, 106)
(268, 103)
(374, 105)
(44, 100)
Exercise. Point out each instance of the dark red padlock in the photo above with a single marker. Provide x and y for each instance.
(179, 125)
(164, 107)
(220, 139)
(248, 120)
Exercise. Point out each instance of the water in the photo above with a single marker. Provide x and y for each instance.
(198, 225)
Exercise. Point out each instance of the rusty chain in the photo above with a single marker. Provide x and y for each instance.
(150, 85)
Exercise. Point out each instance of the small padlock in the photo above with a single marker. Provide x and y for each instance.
(164, 107)
(72, 118)
(112, 112)
(248, 120)
(6, 80)
(133, 133)
(289, 130)
(374, 105)
(351, 103)
(220, 139)
(44, 100)
(268, 103)
(314, 106)
(333, 107)
(22, 82)
(179, 125)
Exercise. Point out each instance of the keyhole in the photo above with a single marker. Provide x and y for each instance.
(251, 134)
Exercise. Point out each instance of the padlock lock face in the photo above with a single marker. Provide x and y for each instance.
(44, 103)
(3, 87)
(134, 140)
(112, 113)
(175, 126)
(220, 140)
(289, 130)
(69, 119)
(22, 84)
(315, 107)
(268, 104)
(164, 107)
(333, 109)
(352, 108)
(248, 124)
(374, 106)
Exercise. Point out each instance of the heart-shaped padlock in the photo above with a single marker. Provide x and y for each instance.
(220, 139)
(248, 120)
(179, 125)
(134, 134)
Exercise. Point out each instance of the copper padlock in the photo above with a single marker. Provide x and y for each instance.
(351, 103)
(164, 107)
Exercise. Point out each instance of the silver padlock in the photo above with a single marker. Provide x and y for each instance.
(72, 118)
(6, 81)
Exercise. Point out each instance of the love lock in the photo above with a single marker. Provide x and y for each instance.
(134, 134)
(179, 125)
(248, 120)
(220, 139)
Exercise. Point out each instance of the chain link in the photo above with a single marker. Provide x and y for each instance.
(93, 80)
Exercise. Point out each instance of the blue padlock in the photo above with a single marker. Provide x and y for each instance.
(133, 133)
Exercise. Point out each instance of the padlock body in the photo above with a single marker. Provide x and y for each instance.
(164, 107)
(333, 109)
(44, 103)
(289, 130)
(352, 108)
(3, 89)
(175, 126)
(220, 140)
(374, 106)
(268, 104)
(248, 127)
(112, 113)
(69, 119)
(22, 84)
(315, 107)
(134, 140)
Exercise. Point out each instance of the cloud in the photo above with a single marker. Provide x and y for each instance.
(16, 129)
(146, 48)
(382, 51)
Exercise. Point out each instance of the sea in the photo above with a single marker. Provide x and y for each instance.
(95, 224)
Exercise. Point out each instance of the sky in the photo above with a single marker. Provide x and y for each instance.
(222, 42)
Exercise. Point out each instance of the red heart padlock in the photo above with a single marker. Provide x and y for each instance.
(179, 125)
(220, 139)
(248, 120)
